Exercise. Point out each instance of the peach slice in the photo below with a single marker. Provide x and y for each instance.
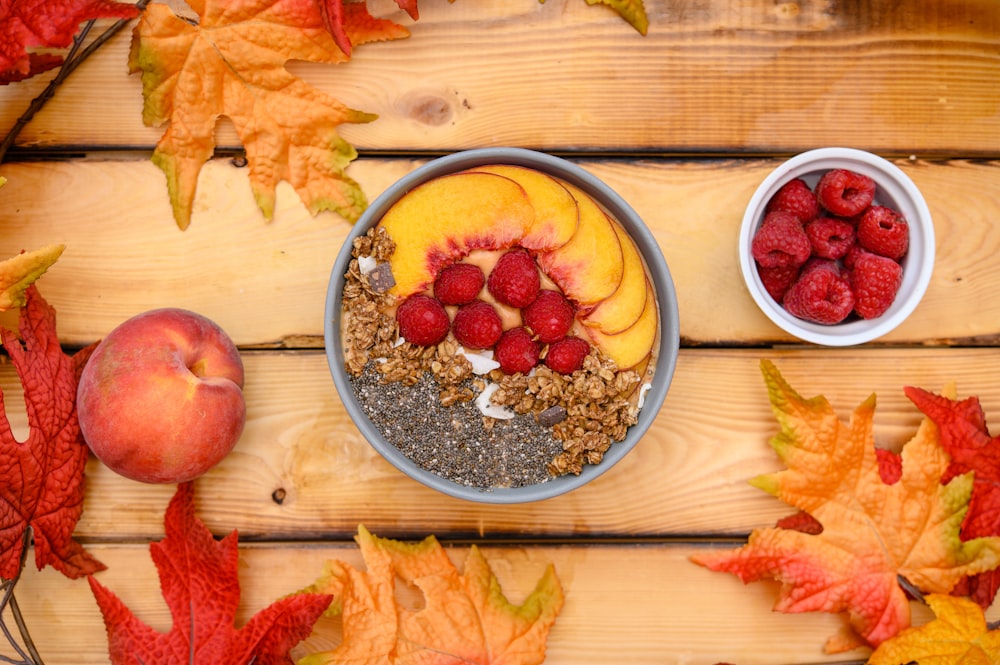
(623, 307)
(629, 347)
(442, 220)
(589, 267)
(556, 213)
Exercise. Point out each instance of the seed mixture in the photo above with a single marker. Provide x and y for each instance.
(424, 399)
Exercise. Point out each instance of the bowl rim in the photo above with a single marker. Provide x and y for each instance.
(893, 185)
(633, 224)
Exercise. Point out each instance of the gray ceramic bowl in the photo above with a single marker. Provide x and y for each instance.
(614, 204)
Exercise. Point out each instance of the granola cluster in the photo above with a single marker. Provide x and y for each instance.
(587, 411)
(596, 402)
(368, 331)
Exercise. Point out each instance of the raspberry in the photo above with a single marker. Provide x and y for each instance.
(514, 279)
(477, 325)
(820, 294)
(550, 316)
(516, 351)
(884, 231)
(422, 320)
(852, 256)
(780, 241)
(459, 283)
(777, 280)
(795, 197)
(830, 238)
(875, 281)
(566, 356)
(845, 193)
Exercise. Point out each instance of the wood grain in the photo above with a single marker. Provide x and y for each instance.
(687, 477)
(909, 77)
(266, 283)
(646, 603)
(684, 123)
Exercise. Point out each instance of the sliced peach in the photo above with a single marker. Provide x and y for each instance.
(442, 220)
(556, 214)
(589, 267)
(629, 347)
(623, 307)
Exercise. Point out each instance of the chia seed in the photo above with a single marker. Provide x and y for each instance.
(453, 442)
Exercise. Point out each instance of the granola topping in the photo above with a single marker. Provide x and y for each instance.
(574, 419)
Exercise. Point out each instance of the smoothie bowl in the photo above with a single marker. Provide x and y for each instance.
(501, 326)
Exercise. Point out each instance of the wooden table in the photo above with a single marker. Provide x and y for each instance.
(684, 123)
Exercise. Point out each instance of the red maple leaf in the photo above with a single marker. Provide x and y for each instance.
(26, 24)
(199, 581)
(41, 479)
(963, 434)
(338, 16)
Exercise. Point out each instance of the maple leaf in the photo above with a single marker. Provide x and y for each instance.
(464, 618)
(19, 272)
(872, 533)
(337, 16)
(963, 434)
(26, 24)
(232, 62)
(42, 477)
(957, 636)
(633, 11)
(199, 581)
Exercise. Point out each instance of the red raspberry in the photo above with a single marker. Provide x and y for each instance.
(830, 238)
(514, 279)
(780, 241)
(852, 256)
(875, 281)
(884, 231)
(422, 320)
(550, 316)
(516, 351)
(820, 294)
(845, 193)
(567, 355)
(477, 325)
(795, 197)
(459, 283)
(777, 280)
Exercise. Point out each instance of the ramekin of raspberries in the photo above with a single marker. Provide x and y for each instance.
(837, 246)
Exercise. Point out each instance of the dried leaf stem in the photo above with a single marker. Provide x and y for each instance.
(77, 54)
(27, 653)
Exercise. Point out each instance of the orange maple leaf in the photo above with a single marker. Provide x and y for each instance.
(957, 636)
(232, 62)
(465, 617)
(873, 531)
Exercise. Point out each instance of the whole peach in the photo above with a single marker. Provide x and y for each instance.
(161, 398)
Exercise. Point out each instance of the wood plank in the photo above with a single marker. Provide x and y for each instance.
(688, 476)
(749, 76)
(635, 603)
(266, 283)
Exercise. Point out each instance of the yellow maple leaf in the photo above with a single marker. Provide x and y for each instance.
(957, 636)
(19, 272)
(633, 11)
(464, 618)
(232, 62)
